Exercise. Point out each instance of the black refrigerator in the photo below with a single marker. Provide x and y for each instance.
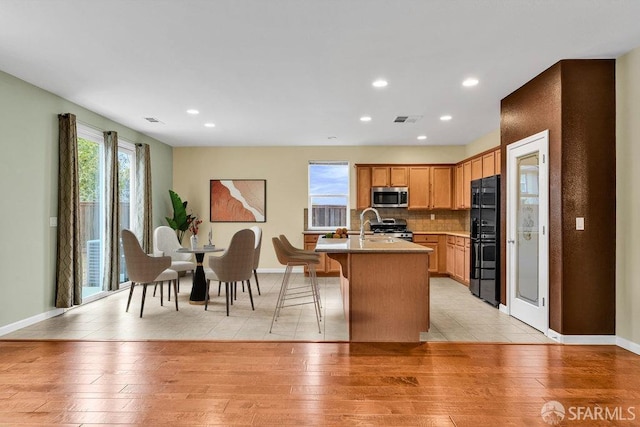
(484, 280)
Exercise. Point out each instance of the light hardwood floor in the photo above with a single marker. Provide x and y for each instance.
(455, 316)
(187, 383)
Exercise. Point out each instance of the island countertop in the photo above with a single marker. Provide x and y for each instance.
(371, 244)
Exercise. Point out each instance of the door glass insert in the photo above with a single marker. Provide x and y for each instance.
(125, 192)
(527, 228)
(90, 168)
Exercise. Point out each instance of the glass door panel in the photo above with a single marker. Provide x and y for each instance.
(126, 164)
(91, 215)
(527, 237)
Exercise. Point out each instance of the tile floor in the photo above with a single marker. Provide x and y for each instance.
(455, 316)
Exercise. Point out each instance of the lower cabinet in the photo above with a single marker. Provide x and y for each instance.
(328, 266)
(437, 258)
(451, 255)
(458, 258)
(467, 261)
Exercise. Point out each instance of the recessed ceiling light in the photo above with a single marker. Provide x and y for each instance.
(470, 82)
(365, 119)
(445, 118)
(209, 125)
(422, 137)
(193, 111)
(380, 83)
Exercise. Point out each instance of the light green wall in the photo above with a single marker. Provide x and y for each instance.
(285, 169)
(28, 183)
(628, 197)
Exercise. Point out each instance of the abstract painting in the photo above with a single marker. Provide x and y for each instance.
(238, 200)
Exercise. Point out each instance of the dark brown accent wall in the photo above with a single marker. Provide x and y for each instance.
(575, 101)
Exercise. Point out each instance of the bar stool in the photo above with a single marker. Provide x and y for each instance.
(287, 293)
(292, 249)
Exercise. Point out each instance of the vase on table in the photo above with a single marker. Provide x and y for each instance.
(194, 241)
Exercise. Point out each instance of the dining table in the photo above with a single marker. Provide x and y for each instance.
(199, 289)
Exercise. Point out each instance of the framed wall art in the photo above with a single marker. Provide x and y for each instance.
(238, 200)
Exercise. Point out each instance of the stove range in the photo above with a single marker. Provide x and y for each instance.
(392, 227)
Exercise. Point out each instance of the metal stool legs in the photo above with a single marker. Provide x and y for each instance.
(288, 293)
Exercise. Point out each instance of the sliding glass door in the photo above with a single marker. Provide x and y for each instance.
(92, 206)
(91, 177)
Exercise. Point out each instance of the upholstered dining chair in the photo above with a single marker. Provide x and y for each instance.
(256, 254)
(144, 269)
(165, 243)
(299, 294)
(234, 265)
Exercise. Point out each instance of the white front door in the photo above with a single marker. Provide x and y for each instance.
(527, 230)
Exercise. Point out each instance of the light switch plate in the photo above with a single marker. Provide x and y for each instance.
(580, 223)
(53, 221)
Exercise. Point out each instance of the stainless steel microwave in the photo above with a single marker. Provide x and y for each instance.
(389, 197)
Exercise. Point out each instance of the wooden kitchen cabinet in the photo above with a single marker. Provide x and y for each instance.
(441, 187)
(430, 187)
(363, 178)
(451, 255)
(327, 266)
(398, 176)
(419, 185)
(466, 182)
(389, 176)
(476, 168)
(488, 164)
(467, 261)
(437, 258)
(458, 185)
(458, 272)
(498, 161)
(458, 258)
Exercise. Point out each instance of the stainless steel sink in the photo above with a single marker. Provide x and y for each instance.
(381, 239)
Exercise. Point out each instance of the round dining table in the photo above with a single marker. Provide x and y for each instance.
(199, 288)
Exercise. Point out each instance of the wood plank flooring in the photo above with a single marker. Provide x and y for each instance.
(191, 383)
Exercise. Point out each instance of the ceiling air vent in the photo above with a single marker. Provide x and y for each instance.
(152, 120)
(407, 119)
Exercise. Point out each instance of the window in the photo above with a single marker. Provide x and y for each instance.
(328, 206)
(91, 170)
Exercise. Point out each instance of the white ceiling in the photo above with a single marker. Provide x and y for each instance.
(296, 72)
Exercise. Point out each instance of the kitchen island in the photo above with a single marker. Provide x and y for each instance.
(385, 287)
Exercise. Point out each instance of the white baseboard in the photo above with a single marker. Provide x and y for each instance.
(12, 327)
(628, 345)
(503, 309)
(582, 339)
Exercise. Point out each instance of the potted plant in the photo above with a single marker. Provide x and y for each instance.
(181, 219)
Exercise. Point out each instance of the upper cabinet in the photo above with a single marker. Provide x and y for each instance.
(488, 164)
(364, 187)
(480, 166)
(463, 185)
(430, 186)
(389, 176)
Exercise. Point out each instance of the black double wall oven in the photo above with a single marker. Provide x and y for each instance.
(485, 239)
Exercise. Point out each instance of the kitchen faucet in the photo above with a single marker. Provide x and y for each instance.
(362, 220)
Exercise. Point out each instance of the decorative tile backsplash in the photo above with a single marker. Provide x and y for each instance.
(445, 220)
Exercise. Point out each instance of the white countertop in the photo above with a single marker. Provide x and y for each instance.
(371, 244)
